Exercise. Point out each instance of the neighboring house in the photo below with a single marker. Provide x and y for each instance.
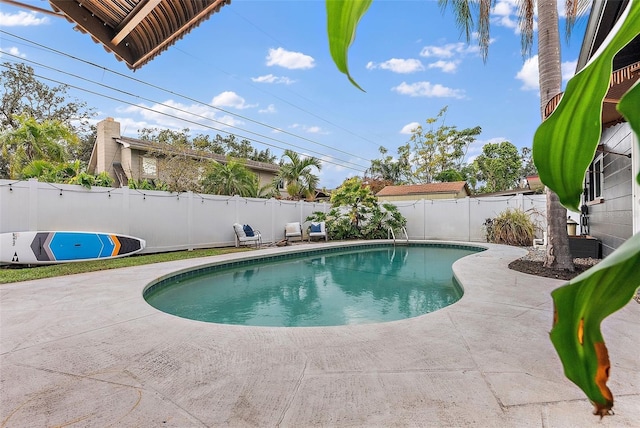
(126, 158)
(533, 182)
(412, 192)
(611, 201)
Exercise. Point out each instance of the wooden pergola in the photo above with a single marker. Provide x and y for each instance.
(135, 31)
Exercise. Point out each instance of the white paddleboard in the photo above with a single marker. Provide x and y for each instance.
(37, 247)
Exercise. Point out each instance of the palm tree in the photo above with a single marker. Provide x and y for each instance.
(300, 182)
(33, 140)
(550, 78)
(230, 178)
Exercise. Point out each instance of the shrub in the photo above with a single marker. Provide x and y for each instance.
(511, 227)
(356, 214)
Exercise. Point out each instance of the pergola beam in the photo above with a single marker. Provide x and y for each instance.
(136, 16)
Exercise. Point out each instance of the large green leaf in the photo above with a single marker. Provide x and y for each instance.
(580, 306)
(629, 106)
(565, 143)
(342, 19)
(564, 146)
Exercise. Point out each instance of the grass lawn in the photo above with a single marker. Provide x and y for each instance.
(13, 273)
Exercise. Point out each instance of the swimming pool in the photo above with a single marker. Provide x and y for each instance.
(339, 286)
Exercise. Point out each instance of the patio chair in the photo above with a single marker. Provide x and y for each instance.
(318, 229)
(246, 235)
(293, 230)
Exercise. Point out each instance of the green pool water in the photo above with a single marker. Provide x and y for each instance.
(347, 287)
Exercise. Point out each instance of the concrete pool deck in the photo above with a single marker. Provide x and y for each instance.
(88, 351)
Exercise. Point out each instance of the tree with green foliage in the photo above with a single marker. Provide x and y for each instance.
(179, 164)
(22, 96)
(67, 173)
(450, 175)
(499, 167)
(147, 184)
(244, 150)
(528, 166)
(31, 140)
(439, 149)
(229, 178)
(296, 174)
(357, 197)
(356, 214)
(394, 170)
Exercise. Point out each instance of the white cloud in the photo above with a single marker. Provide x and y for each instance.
(445, 66)
(21, 19)
(309, 129)
(504, 8)
(230, 99)
(130, 127)
(568, 69)
(13, 51)
(270, 109)
(529, 74)
(174, 115)
(290, 60)
(409, 127)
(270, 78)
(427, 89)
(449, 50)
(402, 66)
(505, 14)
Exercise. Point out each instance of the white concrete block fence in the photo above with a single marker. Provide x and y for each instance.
(185, 221)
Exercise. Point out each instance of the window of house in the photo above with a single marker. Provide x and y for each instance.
(149, 167)
(595, 179)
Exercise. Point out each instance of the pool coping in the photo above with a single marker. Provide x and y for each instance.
(88, 349)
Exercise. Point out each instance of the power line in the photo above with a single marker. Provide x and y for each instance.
(200, 102)
(181, 110)
(360, 169)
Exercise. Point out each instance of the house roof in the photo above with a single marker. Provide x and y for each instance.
(136, 31)
(421, 189)
(146, 146)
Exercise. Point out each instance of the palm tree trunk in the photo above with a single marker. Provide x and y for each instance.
(550, 75)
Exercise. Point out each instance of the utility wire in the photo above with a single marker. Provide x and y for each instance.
(104, 69)
(183, 119)
(181, 110)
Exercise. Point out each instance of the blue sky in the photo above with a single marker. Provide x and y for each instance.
(262, 70)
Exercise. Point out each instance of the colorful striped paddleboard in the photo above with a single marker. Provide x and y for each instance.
(60, 247)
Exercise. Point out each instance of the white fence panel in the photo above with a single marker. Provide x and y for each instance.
(447, 219)
(414, 213)
(160, 218)
(170, 221)
(16, 206)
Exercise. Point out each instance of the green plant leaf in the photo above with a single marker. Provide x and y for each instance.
(628, 106)
(580, 306)
(565, 143)
(342, 20)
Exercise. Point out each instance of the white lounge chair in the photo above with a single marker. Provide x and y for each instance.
(293, 230)
(243, 238)
(318, 229)
(540, 242)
